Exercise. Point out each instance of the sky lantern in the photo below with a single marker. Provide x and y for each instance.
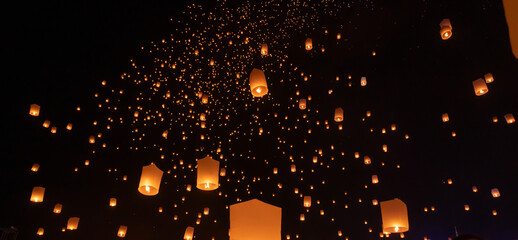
(208, 174)
(293, 168)
(302, 104)
(73, 223)
(489, 78)
(40, 231)
(445, 117)
(113, 202)
(445, 29)
(264, 49)
(307, 201)
(35, 167)
(258, 83)
(69, 126)
(34, 110)
(222, 172)
(366, 160)
(205, 99)
(394, 216)
(510, 9)
(57, 208)
(309, 44)
(91, 139)
(255, 220)
(495, 193)
(509, 118)
(375, 179)
(339, 114)
(37, 194)
(363, 81)
(122, 231)
(46, 124)
(150, 180)
(480, 87)
(189, 233)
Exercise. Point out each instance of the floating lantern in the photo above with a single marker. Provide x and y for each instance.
(57, 208)
(205, 99)
(35, 167)
(91, 140)
(366, 160)
(489, 78)
(122, 231)
(302, 104)
(339, 114)
(69, 126)
(338, 36)
(495, 193)
(445, 117)
(385, 148)
(375, 179)
(293, 168)
(302, 217)
(113, 202)
(189, 233)
(363, 81)
(72, 223)
(206, 211)
(394, 216)
(150, 180)
(255, 220)
(445, 29)
(37, 194)
(208, 174)
(307, 201)
(40, 231)
(34, 110)
(511, 8)
(309, 44)
(46, 124)
(480, 87)
(222, 172)
(275, 170)
(258, 83)
(509, 118)
(264, 49)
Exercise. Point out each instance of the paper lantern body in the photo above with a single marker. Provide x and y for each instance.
(302, 104)
(57, 208)
(445, 117)
(489, 77)
(37, 194)
(445, 29)
(113, 202)
(122, 231)
(35, 110)
(208, 174)
(510, 9)
(307, 201)
(189, 233)
(255, 220)
(480, 87)
(509, 118)
(150, 180)
(264, 49)
(394, 216)
(363, 81)
(339, 114)
(258, 83)
(72, 223)
(309, 44)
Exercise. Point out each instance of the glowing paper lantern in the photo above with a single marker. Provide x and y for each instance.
(445, 117)
(258, 83)
(495, 193)
(302, 104)
(375, 179)
(122, 231)
(37, 194)
(489, 78)
(91, 140)
(293, 168)
(480, 87)
(208, 174)
(511, 8)
(264, 49)
(205, 99)
(509, 118)
(57, 208)
(69, 126)
(307, 201)
(113, 202)
(309, 44)
(40, 231)
(35, 167)
(34, 110)
(189, 233)
(150, 180)
(72, 223)
(394, 216)
(363, 81)
(339, 114)
(255, 220)
(445, 29)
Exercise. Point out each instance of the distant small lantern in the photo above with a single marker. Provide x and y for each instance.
(495, 193)
(309, 44)
(275, 170)
(91, 139)
(338, 36)
(37, 194)
(73, 223)
(445, 117)
(509, 118)
(40, 232)
(394, 216)
(35, 167)
(293, 168)
(384, 148)
(150, 180)
(189, 233)
(46, 124)
(57, 208)
(69, 126)
(363, 81)
(222, 172)
(302, 104)
(34, 110)
(122, 231)
(113, 202)
(339, 114)
(489, 78)
(375, 179)
(258, 84)
(206, 211)
(307, 201)
(366, 160)
(264, 49)
(446, 29)
(480, 87)
(207, 174)
(205, 99)
(302, 217)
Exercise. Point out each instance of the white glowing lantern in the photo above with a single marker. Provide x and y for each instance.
(207, 174)
(339, 114)
(150, 180)
(394, 216)
(480, 87)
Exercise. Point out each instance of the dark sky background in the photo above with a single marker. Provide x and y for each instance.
(56, 53)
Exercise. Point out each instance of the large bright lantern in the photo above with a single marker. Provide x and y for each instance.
(394, 216)
(150, 180)
(255, 220)
(208, 174)
(258, 83)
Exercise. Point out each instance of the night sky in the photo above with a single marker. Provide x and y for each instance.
(113, 58)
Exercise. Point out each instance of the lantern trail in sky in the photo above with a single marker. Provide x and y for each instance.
(253, 120)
